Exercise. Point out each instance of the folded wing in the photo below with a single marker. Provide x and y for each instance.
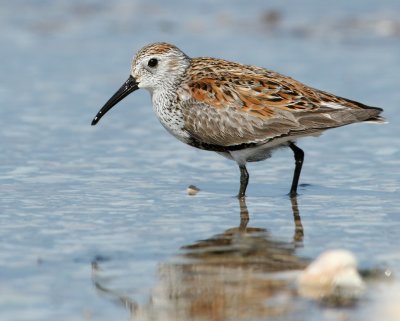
(244, 104)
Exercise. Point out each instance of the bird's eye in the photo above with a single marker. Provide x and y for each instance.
(152, 62)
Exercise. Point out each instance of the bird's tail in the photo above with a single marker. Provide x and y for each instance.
(375, 115)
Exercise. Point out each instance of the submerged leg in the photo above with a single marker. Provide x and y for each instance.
(298, 227)
(244, 215)
(299, 157)
(244, 180)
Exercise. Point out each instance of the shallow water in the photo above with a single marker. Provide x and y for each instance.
(95, 222)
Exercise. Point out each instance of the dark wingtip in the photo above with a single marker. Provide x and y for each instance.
(95, 121)
(377, 119)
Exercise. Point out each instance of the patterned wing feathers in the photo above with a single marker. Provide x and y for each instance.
(235, 104)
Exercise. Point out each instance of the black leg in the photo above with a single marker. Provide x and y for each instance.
(244, 180)
(299, 158)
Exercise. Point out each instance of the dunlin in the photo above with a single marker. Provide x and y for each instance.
(240, 111)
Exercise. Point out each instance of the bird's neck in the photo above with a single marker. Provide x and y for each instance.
(164, 100)
(168, 110)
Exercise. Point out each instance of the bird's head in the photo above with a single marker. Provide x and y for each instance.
(155, 67)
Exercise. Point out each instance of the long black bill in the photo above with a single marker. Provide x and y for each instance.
(128, 87)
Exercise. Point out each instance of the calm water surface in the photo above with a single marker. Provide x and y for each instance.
(95, 222)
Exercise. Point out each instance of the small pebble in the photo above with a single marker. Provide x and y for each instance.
(192, 190)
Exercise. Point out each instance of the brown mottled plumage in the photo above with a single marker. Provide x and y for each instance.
(240, 111)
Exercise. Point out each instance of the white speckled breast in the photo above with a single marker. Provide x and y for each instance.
(169, 114)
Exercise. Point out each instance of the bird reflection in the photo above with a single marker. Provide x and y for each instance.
(227, 276)
(248, 246)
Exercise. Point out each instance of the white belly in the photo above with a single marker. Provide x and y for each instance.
(261, 152)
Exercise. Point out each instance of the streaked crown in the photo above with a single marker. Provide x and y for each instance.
(159, 65)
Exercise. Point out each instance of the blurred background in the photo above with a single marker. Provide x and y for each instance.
(112, 198)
